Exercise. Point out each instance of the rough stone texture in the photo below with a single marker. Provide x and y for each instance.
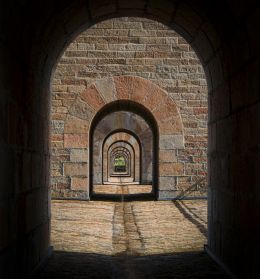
(171, 142)
(76, 141)
(79, 155)
(75, 169)
(92, 97)
(79, 184)
(171, 169)
(76, 125)
(167, 156)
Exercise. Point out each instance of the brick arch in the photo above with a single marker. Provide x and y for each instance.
(141, 91)
(133, 89)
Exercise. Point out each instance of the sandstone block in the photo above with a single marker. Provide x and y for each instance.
(167, 156)
(123, 86)
(79, 155)
(171, 142)
(75, 169)
(79, 184)
(76, 125)
(75, 140)
(106, 88)
(81, 110)
(57, 137)
(167, 183)
(92, 97)
(171, 169)
(57, 126)
(167, 195)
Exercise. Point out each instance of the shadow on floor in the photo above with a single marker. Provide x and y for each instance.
(192, 217)
(72, 265)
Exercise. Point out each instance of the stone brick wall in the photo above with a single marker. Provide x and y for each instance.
(136, 47)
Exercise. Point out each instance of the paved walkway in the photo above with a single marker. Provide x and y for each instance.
(149, 239)
(122, 189)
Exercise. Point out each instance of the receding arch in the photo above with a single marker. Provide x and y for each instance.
(139, 97)
(128, 150)
(132, 140)
(128, 106)
(118, 149)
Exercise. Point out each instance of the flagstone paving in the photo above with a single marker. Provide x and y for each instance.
(138, 239)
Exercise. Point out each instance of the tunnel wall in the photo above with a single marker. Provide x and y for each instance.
(24, 159)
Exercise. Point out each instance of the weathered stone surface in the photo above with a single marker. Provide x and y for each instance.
(170, 126)
(57, 126)
(106, 88)
(92, 97)
(171, 169)
(124, 85)
(75, 169)
(79, 155)
(140, 89)
(171, 142)
(167, 183)
(79, 184)
(167, 156)
(76, 125)
(75, 140)
(154, 98)
(81, 110)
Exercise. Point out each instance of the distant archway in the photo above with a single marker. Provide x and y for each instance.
(116, 171)
(127, 140)
(138, 136)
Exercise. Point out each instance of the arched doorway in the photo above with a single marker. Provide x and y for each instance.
(129, 141)
(120, 126)
(131, 88)
(120, 154)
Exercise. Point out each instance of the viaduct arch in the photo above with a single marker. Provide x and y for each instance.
(229, 49)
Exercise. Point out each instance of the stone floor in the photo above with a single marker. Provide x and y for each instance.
(149, 239)
(125, 189)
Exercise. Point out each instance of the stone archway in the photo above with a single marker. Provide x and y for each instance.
(119, 124)
(116, 150)
(126, 140)
(131, 90)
